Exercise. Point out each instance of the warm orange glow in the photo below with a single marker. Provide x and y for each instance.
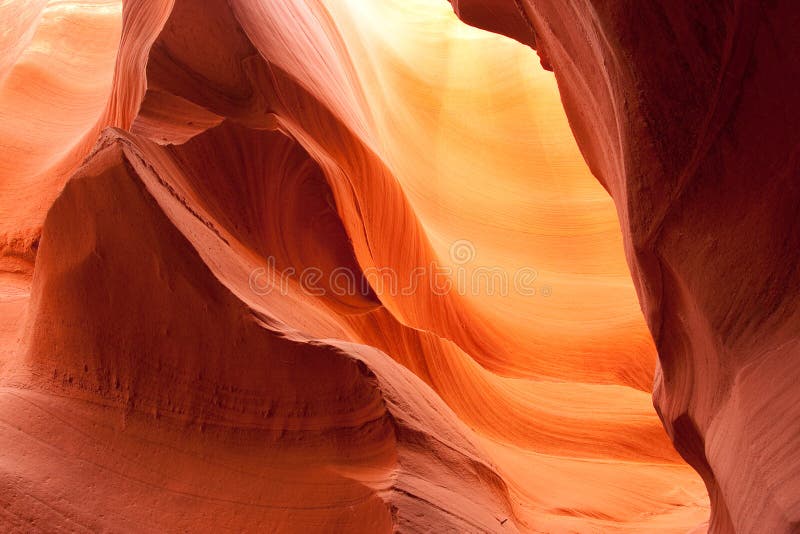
(418, 133)
(55, 78)
(473, 129)
(475, 132)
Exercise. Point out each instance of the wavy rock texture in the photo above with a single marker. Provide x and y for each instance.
(151, 383)
(686, 114)
(55, 74)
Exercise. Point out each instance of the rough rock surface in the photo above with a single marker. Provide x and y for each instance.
(686, 112)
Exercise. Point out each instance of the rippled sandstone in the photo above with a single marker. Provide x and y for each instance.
(685, 112)
(162, 155)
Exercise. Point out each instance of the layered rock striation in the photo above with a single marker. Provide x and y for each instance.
(175, 174)
(685, 113)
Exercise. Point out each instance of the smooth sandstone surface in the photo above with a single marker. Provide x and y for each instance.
(160, 155)
(686, 112)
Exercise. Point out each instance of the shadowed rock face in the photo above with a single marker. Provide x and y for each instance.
(687, 113)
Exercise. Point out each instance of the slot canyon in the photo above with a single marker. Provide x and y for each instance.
(400, 266)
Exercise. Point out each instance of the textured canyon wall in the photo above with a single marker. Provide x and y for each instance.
(687, 113)
(150, 382)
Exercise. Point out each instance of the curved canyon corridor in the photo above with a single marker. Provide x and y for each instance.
(400, 266)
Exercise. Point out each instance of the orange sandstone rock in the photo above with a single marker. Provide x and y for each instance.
(152, 376)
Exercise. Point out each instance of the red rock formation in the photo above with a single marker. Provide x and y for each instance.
(158, 373)
(53, 87)
(686, 113)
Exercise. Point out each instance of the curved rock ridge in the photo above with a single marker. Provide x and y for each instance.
(329, 424)
(165, 365)
(685, 113)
